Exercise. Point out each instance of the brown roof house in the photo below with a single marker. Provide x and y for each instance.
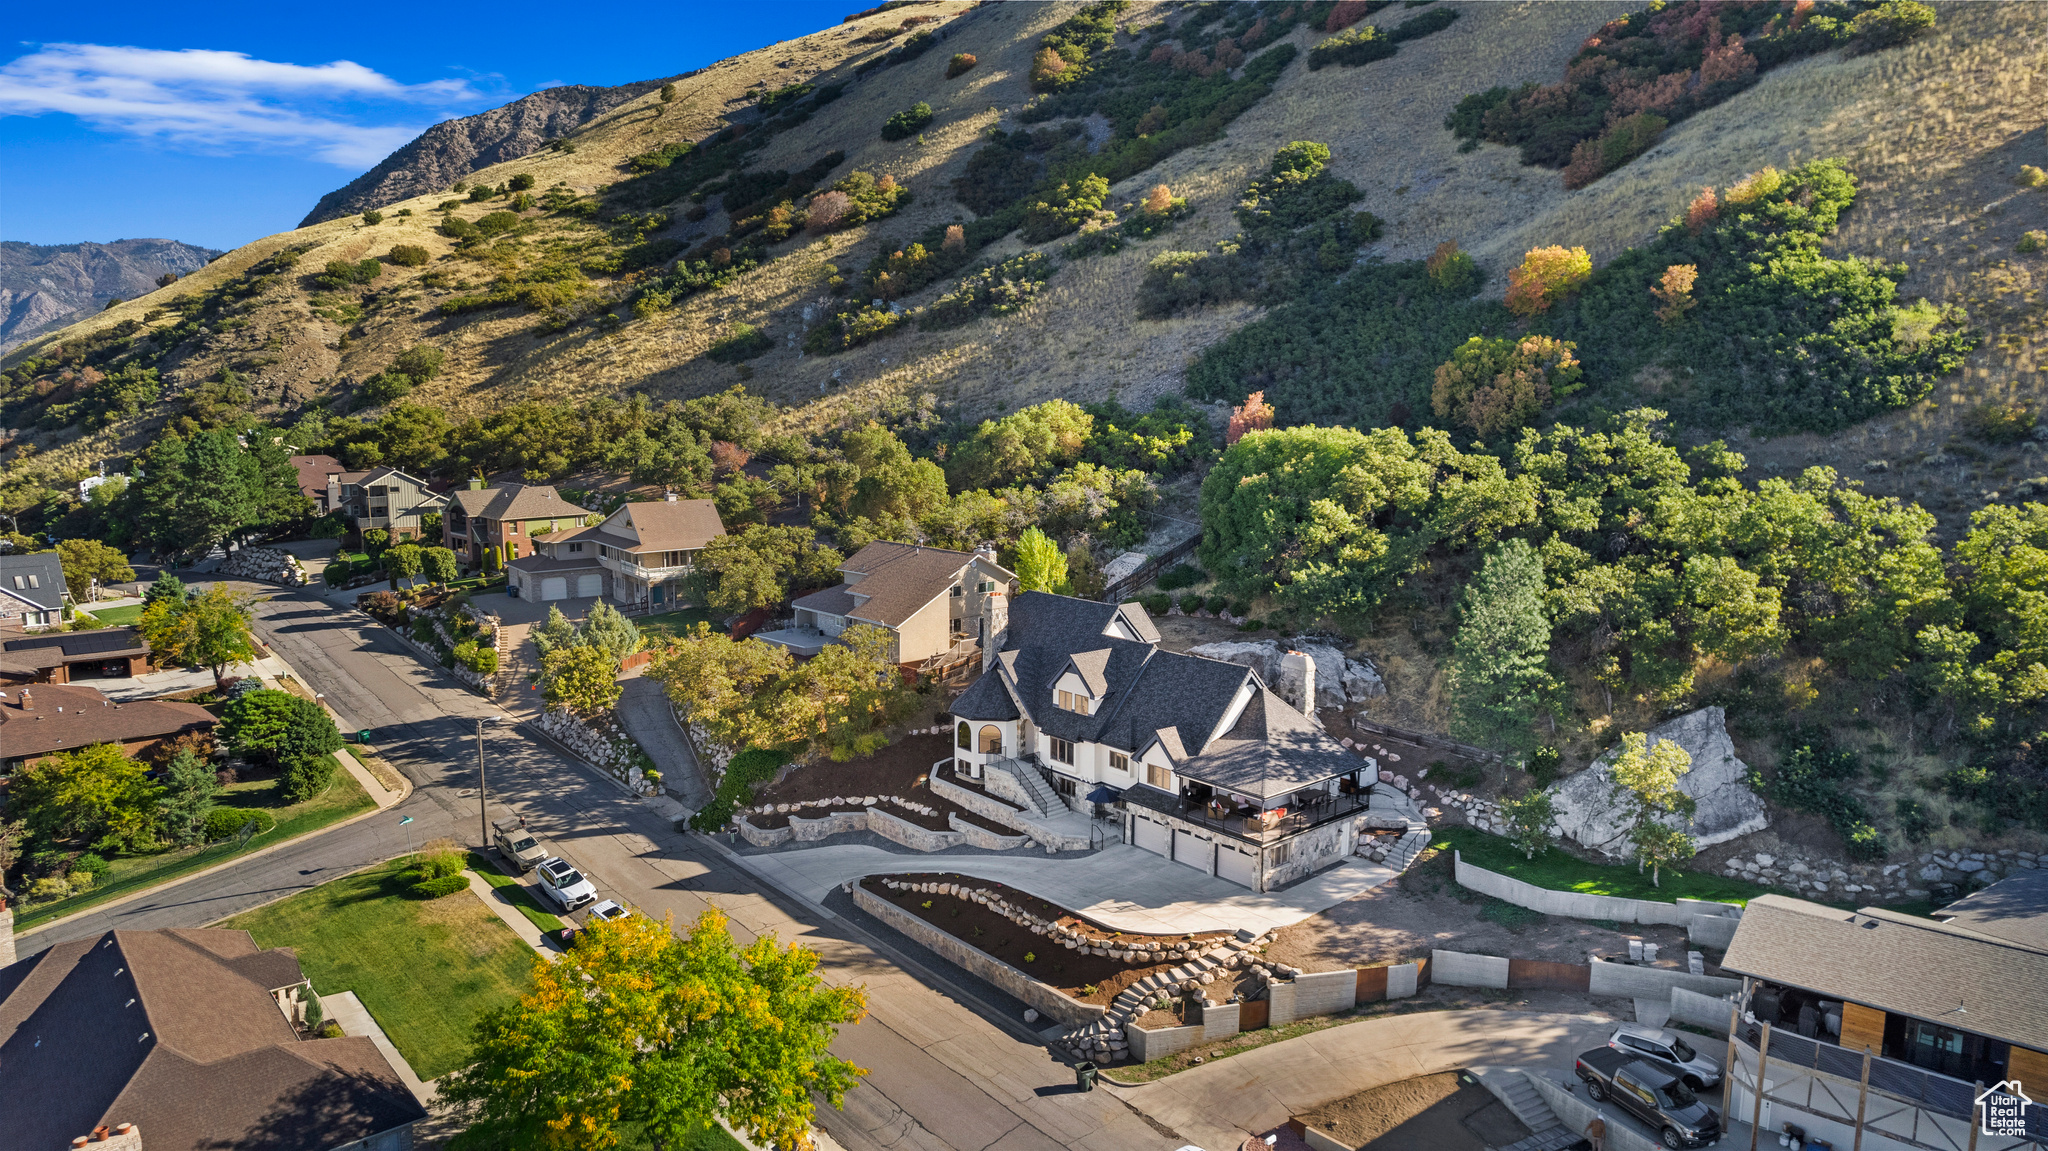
(639, 555)
(505, 518)
(43, 720)
(184, 1040)
(60, 657)
(313, 472)
(929, 598)
(383, 498)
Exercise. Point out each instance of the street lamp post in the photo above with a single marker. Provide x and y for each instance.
(483, 795)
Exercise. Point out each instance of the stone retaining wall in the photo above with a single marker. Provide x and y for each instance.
(609, 748)
(271, 565)
(764, 836)
(837, 823)
(909, 834)
(975, 835)
(1049, 1001)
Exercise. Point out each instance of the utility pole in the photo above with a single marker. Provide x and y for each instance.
(483, 795)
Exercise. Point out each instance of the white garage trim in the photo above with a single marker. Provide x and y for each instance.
(554, 587)
(1237, 866)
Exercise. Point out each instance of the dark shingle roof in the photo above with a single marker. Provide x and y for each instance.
(541, 563)
(1897, 963)
(37, 578)
(1271, 750)
(167, 1030)
(986, 698)
(830, 601)
(2014, 908)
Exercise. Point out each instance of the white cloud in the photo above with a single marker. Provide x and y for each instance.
(215, 101)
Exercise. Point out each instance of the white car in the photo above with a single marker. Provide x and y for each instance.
(564, 883)
(608, 910)
(1668, 1051)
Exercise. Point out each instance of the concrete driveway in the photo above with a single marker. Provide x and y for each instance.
(1120, 887)
(643, 710)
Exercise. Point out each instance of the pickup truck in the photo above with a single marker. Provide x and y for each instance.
(1652, 1094)
(517, 844)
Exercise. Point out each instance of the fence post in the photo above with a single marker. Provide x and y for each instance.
(1976, 1114)
(1757, 1115)
(1862, 1098)
(1728, 1068)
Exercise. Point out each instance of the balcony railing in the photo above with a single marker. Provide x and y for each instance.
(632, 570)
(1322, 808)
(1924, 1089)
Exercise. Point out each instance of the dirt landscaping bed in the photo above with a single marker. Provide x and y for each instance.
(899, 769)
(1447, 1111)
(1089, 978)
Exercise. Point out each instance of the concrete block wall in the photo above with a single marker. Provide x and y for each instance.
(1654, 982)
(1325, 992)
(1705, 1011)
(1462, 969)
(1402, 980)
(1575, 1111)
(1220, 1021)
(1715, 931)
(1049, 1001)
(1579, 905)
(1158, 1042)
(1280, 999)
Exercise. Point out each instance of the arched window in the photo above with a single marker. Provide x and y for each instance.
(965, 738)
(992, 740)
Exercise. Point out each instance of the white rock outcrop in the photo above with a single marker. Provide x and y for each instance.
(1338, 680)
(1588, 813)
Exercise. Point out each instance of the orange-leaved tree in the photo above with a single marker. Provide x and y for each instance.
(1498, 385)
(1674, 291)
(1256, 415)
(636, 1025)
(1546, 276)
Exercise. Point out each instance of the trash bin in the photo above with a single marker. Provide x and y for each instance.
(363, 736)
(1084, 1076)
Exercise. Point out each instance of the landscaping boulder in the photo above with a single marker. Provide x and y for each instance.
(1588, 813)
(1338, 680)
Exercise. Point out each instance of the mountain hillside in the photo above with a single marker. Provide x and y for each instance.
(47, 286)
(452, 149)
(625, 270)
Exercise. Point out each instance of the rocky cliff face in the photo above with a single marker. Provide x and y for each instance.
(45, 286)
(450, 150)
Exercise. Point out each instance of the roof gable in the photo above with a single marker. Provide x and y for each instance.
(35, 578)
(664, 525)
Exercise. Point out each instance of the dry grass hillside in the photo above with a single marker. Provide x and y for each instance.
(1935, 131)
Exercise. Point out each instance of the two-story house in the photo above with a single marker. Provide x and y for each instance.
(1215, 769)
(32, 594)
(929, 599)
(383, 498)
(313, 472)
(505, 518)
(638, 555)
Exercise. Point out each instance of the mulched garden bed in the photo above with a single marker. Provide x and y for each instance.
(899, 769)
(952, 775)
(1088, 978)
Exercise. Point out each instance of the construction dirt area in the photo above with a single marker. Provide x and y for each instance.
(1448, 1111)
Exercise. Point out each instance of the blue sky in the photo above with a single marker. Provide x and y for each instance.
(219, 123)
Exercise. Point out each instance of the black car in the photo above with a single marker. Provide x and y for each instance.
(1650, 1093)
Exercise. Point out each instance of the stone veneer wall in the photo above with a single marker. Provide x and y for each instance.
(271, 565)
(1003, 813)
(1050, 1001)
(1314, 849)
(975, 835)
(909, 834)
(766, 836)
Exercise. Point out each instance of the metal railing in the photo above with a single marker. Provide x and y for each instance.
(1252, 827)
(1924, 1089)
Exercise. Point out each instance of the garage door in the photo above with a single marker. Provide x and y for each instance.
(589, 586)
(1152, 836)
(1236, 866)
(554, 587)
(1191, 851)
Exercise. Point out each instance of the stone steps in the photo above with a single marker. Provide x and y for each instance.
(1513, 1089)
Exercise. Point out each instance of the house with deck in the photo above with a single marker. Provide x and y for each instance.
(930, 600)
(383, 498)
(639, 556)
(1210, 766)
(505, 519)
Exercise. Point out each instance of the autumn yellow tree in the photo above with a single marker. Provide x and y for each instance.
(1546, 276)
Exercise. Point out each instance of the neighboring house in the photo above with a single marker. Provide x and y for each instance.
(113, 652)
(639, 555)
(383, 498)
(504, 518)
(1942, 1007)
(1216, 770)
(313, 472)
(192, 1037)
(929, 599)
(43, 720)
(32, 594)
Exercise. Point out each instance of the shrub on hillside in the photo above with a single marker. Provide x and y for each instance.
(736, 786)
(2031, 242)
(348, 273)
(1352, 47)
(1546, 275)
(1888, 25)
(1181, 575)
(1498, 385)
(2031, 176)
(373, 218)
(520, 183)
(960, 64)
(1450, 267)
(992, 291)
(744, 343)
(407, 255)
(2001, 422)
(908, 122)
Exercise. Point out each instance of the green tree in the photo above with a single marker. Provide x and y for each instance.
(165, 587)
(720, 685)
(160, 494)
(307, 777)
(210, 630)
(404, 562)
(892, 482)
(440, 564)
(90, 562)
(556, 631)
(221, 494)
(375, 540)
(638, 1025)
(1028, 444)
(763, 565)
(608, 630)
(1646, 784)
(96, 794)
(855, 689)
(1529, 820)
(1499, 675)
(580, 678)
(1040, 564)
(281, 726)
(190, 786)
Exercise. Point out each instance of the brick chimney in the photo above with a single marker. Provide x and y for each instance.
(995, 626)
(1298, 682)
(28, 702)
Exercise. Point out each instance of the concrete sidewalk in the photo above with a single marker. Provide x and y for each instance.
(1120, 887)
(501, 903)
(1219, 1103)
(344, 1008)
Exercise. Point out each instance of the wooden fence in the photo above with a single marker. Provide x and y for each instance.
(1116, 592)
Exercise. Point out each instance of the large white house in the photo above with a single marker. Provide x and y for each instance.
(1214, 769)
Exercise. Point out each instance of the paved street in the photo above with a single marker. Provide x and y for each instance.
(947, 1070)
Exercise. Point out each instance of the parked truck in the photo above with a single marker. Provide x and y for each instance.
(517, 844)
(1656, 1096)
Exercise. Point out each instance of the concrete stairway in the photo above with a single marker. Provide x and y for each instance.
(1103, 1040)
(1386, 802)
(515, 660)
(1044, 801)
(1512, 1087)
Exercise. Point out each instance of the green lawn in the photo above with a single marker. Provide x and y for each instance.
(127, 874)
(426, 969)
(522, 896)
(118, 616)
(672, 624)
(1560, 872)
(633, 1137)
